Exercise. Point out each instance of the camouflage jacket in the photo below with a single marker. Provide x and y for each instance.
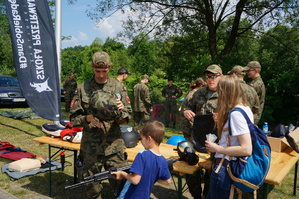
(104, 140)
(259, 86)
(142, 100)
(203, 102)
(252, 99)
(186, 101)
(169, 91)
(70, 86)
(186, 125)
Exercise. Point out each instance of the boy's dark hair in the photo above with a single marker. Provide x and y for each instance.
(155, 129)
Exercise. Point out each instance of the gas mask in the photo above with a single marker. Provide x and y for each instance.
(187, 153)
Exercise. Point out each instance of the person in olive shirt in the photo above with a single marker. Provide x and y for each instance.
(70, 86)
(250, 93)
(202, 107)
(102, 146)
(142, 101)
(171, 92)
(187, 125)
(253, 69)
(122, 74)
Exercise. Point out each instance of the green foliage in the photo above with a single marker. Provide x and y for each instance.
(142, 51)
(276, 50)
(184, 49)
(279, 55)
(6, 55)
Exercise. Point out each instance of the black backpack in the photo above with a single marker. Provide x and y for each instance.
(203, 125)
(281, 131)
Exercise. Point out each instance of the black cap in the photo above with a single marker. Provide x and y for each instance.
(123, 71)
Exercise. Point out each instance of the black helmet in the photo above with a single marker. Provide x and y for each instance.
(103, 105)
(187, 153)
(131, 138)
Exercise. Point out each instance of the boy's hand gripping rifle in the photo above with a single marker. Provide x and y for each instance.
(107, 175)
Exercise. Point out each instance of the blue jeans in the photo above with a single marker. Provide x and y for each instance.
(220, 183)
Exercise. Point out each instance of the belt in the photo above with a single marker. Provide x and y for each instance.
(225, 161)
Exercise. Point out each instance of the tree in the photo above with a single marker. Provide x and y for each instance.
(6, 55)
(200, 19)
(142, 50)
(279, 55)
(72, 61)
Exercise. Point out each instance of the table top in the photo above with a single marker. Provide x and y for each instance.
(168, 151)
(57, 142)
(281, 163)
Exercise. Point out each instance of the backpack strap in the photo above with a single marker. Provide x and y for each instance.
(244, 115)
(232, 192)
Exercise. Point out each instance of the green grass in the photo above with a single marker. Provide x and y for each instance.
(36, 186)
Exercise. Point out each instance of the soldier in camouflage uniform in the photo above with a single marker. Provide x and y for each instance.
(69, 86)
(250, 93)
(102, 146)
(122, 74)
(253, 69)
(142, 101)
(203, 102)
(186, 125)
(171, 92)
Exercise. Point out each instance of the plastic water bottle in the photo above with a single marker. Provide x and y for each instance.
(265, 127)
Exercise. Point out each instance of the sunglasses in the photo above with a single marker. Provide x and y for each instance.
(212, 76)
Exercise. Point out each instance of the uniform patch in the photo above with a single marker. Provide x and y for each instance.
(128, 100)
(125, 88)
(118, 96)
(72, 103)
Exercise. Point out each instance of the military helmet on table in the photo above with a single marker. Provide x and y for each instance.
(103, 105)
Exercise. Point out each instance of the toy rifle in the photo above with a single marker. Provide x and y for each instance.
(107, 175)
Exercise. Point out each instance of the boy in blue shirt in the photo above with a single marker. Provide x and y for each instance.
(149, 165)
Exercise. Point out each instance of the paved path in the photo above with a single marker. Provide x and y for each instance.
(5, 195)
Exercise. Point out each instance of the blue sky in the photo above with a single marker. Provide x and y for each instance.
(80, 27)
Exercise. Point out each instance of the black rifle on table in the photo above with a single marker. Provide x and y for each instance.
(107, 175)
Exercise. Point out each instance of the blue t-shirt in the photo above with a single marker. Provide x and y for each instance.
(151, 167)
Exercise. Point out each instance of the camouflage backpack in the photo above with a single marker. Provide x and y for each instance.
(103, 105)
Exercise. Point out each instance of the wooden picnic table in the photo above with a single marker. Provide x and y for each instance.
(281, 162)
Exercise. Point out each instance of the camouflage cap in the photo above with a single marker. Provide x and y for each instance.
(145, 77)
(213, 69)
(252, 64)
(101, 57)
(239, 70)
(103, 105)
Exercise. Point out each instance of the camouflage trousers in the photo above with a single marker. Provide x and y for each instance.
(93, 164)
(194, 183)
(68, 99)
(170, 111)
(186, 126)
(141, 118)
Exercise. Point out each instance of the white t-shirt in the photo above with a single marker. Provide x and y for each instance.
(238, 127)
